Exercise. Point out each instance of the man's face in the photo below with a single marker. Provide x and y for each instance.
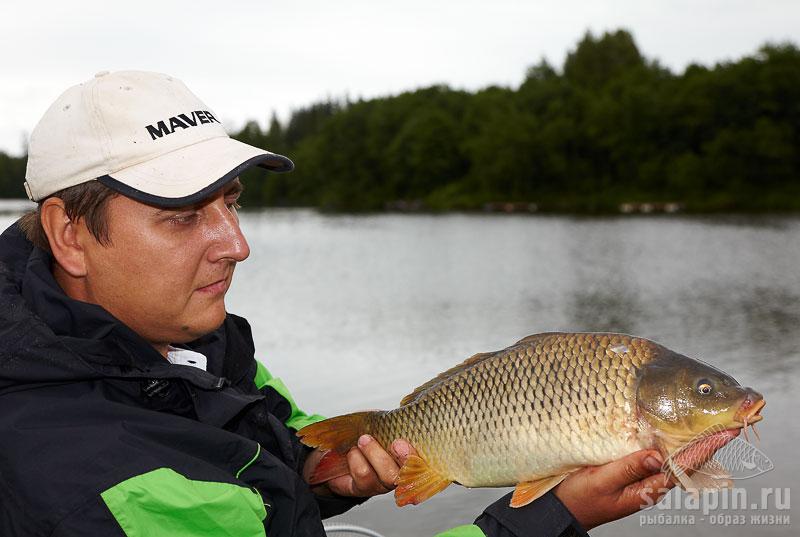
(166, 271)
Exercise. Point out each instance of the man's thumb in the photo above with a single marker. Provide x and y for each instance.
(401, 450)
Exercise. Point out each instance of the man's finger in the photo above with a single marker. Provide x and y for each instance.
(401, 450)
(648, 491)
(365, 480)
(342, 485)
(617, 475)
(382, 463)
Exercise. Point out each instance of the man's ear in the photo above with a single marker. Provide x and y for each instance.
(63, 236)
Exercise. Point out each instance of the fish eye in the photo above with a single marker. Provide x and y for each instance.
(704, 387)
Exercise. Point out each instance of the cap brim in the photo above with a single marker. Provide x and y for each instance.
(191, 173)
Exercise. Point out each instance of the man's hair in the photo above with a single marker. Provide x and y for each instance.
(87, 200)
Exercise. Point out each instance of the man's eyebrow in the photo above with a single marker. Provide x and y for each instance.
(162, 211)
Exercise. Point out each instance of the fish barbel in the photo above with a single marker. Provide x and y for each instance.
(548, 405)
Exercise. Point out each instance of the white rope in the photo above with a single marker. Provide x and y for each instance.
(349, 528)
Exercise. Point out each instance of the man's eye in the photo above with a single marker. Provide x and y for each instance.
(183, 219)
(234, 205)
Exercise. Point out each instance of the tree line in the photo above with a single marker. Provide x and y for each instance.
(610, 127)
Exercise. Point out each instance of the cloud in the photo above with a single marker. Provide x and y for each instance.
(248, 58)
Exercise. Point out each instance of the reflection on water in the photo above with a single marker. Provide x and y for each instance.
(604, 295)
(605, 308)
(355, 311)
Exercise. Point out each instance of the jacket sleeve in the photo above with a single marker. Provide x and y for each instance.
(295, 419)
(546, 517)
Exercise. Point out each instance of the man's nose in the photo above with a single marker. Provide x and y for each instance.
(227, 236)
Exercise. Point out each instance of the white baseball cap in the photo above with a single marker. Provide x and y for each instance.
(142, 134)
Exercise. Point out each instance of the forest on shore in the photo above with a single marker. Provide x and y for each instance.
(609, 129)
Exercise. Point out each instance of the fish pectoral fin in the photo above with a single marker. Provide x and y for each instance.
(417, 482)
(678, 473)
(529, 491)
(712, 475)
(694, 470)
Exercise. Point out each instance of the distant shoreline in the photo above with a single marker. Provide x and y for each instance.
(21, 205)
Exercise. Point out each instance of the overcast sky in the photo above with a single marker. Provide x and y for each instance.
(246, 58)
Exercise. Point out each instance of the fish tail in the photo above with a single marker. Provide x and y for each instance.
(335, 436)
(330, 466)
(338, 434)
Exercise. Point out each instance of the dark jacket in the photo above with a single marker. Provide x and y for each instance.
(99, 430)
(102, 436)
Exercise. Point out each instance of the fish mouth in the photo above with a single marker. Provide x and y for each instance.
(749, 413)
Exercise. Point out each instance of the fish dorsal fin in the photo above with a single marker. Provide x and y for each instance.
(536, 337)
(446, 375)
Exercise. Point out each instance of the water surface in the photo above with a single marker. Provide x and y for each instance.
(353, 312)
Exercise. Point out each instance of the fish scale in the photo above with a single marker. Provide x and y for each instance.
(482, 427)
(529, 414)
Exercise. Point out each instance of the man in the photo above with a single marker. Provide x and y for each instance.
(132, 402)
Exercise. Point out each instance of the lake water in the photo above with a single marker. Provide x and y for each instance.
(353, 312)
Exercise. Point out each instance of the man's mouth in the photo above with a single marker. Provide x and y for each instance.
(217, 287)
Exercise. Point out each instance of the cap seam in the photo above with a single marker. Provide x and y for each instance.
(105, 138)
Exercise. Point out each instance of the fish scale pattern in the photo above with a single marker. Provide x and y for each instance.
(544, 406)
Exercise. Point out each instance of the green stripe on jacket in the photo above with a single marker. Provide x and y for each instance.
(163, 503)
(470, 530)
(298, 419)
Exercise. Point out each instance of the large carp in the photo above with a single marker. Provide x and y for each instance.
(548, 405)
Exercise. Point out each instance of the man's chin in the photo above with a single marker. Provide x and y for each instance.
(200, 327)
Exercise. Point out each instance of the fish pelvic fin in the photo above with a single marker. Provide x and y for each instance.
(417, 482)
(529, 491)
(338, 434)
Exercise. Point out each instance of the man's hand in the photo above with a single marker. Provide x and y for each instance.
(372, 470)
(600, 494)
